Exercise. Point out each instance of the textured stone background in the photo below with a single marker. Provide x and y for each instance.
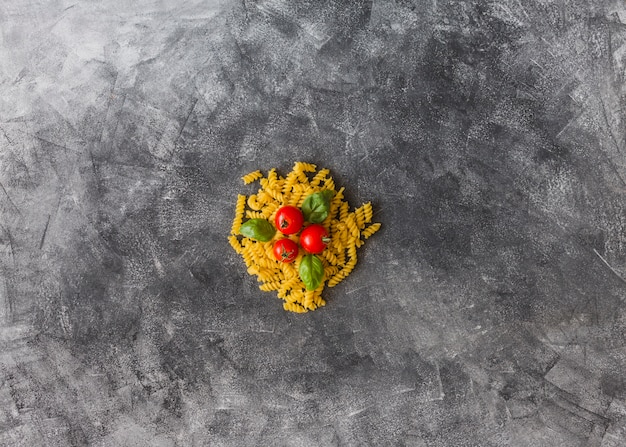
(490, 136)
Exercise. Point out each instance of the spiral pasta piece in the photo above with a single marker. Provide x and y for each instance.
(251, 177)
(300, 166)
(319, 301)
(352, 226)
(330, 257)
(296, 195)
(308, 301)
(319, 177)
(368, 211)
(253, 204)
(359, 216)
(294, 307)
(254, 214)
(344, 210)
(369, 231)
(276, 195)
(234, 242)
(239, 211)
(268, 286)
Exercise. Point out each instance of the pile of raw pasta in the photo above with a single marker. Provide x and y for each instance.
(347, 229)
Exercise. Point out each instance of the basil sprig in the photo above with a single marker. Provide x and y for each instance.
(258, 229)
(311, 271)
(315, 207)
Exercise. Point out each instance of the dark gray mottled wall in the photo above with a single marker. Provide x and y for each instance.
(489, 311)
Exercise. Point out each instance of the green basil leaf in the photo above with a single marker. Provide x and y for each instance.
(316, 206)
(311, 271)
(258, 229)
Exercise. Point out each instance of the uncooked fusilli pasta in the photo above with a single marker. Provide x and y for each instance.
(249, 178)
(347, 229)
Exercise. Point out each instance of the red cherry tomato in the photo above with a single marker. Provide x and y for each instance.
(285, 250)
(314, 238)
(289, 219)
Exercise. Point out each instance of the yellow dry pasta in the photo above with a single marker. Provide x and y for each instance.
(251, 177)
(268, 286)
(370, 230)
(255, 214)
(253, 204)
(319, 177)
(294, 307)
(239, 211)
(348, 230)
(368, 211)
(308, 300)
(300, 166)
(234, 242)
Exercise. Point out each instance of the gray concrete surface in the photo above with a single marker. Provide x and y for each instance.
(490, 136)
